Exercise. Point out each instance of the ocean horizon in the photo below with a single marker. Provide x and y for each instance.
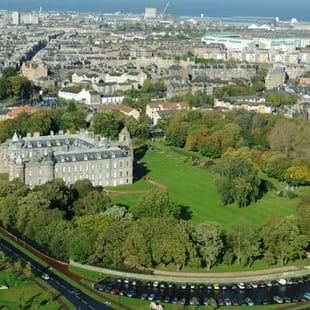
(284, 9)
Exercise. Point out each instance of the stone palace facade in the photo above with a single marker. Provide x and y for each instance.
(38, 159)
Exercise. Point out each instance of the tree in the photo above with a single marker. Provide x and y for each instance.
(8, 72)
(238, 181)
(56, 191)
(93, 222)
(81, 188)
(81, 246)
(176, 134)
(137, 245)
(207, 237)
(95, 202)
(108, 124)
(284, 138)
(40, 122)
(303, 215)
(28, 271)
(117, 213)
(157, 204)
(245, 243)
(281, 236)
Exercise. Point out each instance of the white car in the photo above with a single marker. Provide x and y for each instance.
(307, 296)
(278, 299)
(282, 281)
(249, 301)
(45, 276)
(241, 286)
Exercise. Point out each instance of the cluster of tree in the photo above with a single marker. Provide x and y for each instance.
(195, 100)
(81, 223)
(68, 118)
(13, 85)
(281, 98)
(109, 124)
(71, 118)
(211, 133)
(245, 142)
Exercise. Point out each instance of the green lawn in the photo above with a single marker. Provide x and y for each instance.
(24, 292)
(194, 188)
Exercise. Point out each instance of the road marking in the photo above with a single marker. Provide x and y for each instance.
(83, 301)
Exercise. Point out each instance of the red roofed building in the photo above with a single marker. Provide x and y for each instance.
(25, 108)
(154, 110)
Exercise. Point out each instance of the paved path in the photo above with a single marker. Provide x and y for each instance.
(207, 277)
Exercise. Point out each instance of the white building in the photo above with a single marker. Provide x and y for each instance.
(84, 96)
(16, 18)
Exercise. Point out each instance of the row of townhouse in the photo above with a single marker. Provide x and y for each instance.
(247, 103)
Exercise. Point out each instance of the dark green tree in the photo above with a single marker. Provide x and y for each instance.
(157, 204)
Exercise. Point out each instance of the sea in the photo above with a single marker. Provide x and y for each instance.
(284, 9)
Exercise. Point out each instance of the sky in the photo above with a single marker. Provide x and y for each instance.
(282, 8)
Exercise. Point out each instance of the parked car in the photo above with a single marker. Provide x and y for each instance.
(227, 302)
(307, 295)
(131, 293)
(278, 299)
(205, 301)
(155, 284)
(114, 291)
(183, 286)
(216, 286)
(183, 301)
(220, 302)
(254, 284)
(235, 302)
(282, 281)
(241, 286)
(249, 301)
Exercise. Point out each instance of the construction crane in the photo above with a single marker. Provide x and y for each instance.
(165, 9)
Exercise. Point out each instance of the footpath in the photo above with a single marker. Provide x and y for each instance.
(206, 277)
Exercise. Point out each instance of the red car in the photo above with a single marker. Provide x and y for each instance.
(235, 302)
(114, 291)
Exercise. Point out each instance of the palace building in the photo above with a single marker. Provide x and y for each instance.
(38, 159)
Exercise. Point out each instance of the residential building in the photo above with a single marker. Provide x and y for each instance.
(275, 78)
(88, 97)
(154, 110)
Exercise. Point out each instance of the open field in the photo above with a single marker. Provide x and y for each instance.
(25, 293)
(194, 189)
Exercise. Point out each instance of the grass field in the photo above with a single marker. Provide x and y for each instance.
(25, 293)
(194, 189)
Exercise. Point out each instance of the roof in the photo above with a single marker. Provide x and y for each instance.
(114, 107)
(26, 109)
(169, 105)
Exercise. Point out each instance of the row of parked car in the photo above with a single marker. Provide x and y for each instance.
(209, 286)
(201, 294)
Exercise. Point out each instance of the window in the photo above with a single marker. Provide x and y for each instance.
(63, 169)
(121, 173)
(30, 173)
(120, 164)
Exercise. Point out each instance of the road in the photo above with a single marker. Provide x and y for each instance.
(81, 301)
